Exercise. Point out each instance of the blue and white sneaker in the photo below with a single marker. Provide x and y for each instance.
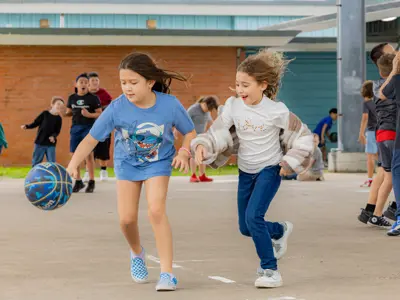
(395, 230)
(167, 282)
(139, 271)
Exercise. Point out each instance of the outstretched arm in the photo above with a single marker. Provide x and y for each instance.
(35, 123)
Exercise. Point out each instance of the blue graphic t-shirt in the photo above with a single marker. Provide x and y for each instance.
(144, 139)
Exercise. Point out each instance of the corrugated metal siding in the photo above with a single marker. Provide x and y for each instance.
(28, 20)
(253, 23)
(226, 2)
(163, 22)
(139, 21)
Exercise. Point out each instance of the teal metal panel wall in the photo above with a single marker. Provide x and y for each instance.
(309, 87)
(254, 22)
(139, 21)
(28, 20)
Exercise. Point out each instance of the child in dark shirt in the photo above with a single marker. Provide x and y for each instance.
(49, 123)
(385, 135)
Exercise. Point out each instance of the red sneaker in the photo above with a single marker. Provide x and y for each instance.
(204, 178)
(367, 183)
(194, 178)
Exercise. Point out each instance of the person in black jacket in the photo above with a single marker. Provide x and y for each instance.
(49, 123)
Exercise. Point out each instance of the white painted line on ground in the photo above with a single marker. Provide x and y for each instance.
(225, 180)
(191, 260)
(222, 279)
(157, 260)
(284, 298)
(362, 191)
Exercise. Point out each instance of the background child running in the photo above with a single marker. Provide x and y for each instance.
(84, 108)
(369, 209)
(102, 150)
(201, 117)
(261, 124)
(49, 123)
(143, 118)
(386, 112)
(389, 90)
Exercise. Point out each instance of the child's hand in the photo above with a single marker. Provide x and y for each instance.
(283, 172)
(362, 139)
(52, 139)
(85, 113)
(23, 127)
(200, 154)
(73, 172)
(285, 169)
(181, 161)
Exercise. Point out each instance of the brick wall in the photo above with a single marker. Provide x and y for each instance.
(31, 75)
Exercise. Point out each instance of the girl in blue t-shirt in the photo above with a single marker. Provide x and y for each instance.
(143, 118)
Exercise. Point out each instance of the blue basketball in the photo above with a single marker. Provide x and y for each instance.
(48, 186)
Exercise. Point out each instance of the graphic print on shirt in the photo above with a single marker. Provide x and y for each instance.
(143, 141)
(80, 104)
(247, 125)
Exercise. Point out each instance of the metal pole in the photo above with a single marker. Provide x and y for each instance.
(351, 64)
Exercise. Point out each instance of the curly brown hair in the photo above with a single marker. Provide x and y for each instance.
(266, 66)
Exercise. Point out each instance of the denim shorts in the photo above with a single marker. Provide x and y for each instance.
(78, 133)
(126, 171)
(371, 147)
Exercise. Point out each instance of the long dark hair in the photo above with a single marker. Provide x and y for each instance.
(144, 65)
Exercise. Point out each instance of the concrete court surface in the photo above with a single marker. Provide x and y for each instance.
(78, 252)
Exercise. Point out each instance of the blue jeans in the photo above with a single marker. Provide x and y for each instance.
(40, 151)
(255, 194)
(396, 178)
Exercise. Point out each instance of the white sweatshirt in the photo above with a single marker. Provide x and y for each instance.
(258, 127)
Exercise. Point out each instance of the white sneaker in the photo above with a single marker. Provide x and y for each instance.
(280, 246)
(270, 279)
(86, 177)
(103, 175)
